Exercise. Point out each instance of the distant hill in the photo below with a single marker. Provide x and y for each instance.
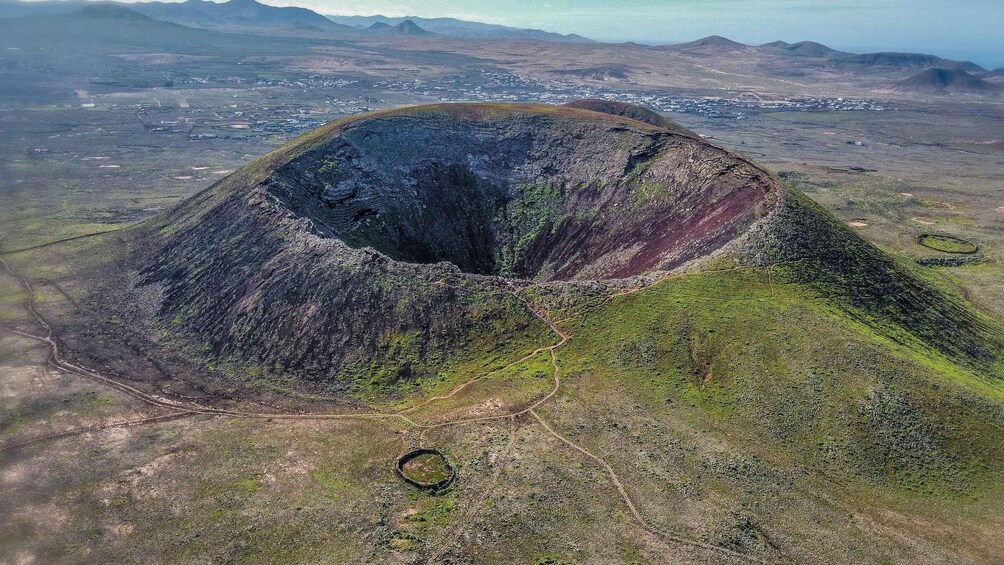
(905, 61)
(93, 27)
(235, 15)
(407, 27)
(804, 49)
(945, 81)
(868, 61)
(112, 11)
(238, 14)
(708, 46)
(80, 40)
(854, 62)
(461, 28)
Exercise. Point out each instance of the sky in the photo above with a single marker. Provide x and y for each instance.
(969, 29)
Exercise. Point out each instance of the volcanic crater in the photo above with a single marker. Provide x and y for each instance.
(383, 247)
(533, 192)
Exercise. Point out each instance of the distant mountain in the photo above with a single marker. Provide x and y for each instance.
(408, 27)
(905, 61)
(946, 81)
(804, 49)
(112, 11)
(461, 28)
(93, 31)
(235, 15)
(239, 14)
(708, 46)
(870, 62)
(884, 60)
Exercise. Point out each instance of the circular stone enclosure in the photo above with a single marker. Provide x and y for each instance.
(947, 243)
(533, 192)
(427, 469)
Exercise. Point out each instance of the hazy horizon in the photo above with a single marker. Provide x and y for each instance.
(966, 29)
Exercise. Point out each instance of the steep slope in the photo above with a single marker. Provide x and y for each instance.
(744, 405)
(367, 187)
(808, 247)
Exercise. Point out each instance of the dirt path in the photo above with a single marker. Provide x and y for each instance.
(99, 427)
(453, 537)
(58, 241)
(615, 480)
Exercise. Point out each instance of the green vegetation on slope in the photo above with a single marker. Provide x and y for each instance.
(811, 248)
(782, 362)
(718, 391)
(522, 221)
